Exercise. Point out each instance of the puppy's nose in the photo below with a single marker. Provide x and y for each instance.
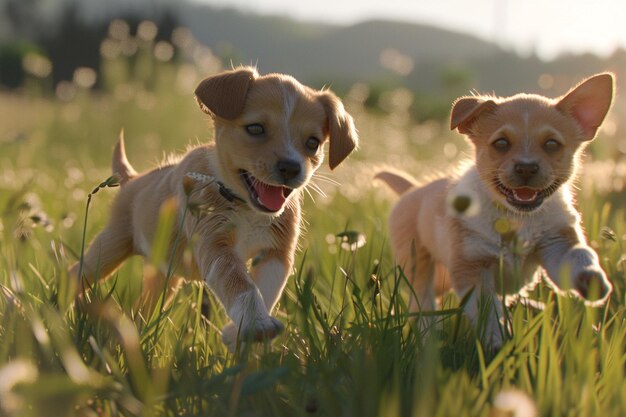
(525, 170)
(288, 169)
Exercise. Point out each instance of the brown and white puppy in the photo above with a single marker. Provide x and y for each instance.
(269, 137)
(515, 202)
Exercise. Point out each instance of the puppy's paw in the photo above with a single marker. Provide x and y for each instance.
(229, 336)
(258, 330)
(486, 312)
(494, 344)
(592, 285)
(493, 336)
(427, 326)
(251, 321)
(265, 329)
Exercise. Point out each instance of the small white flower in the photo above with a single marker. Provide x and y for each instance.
(462, 202)
(513, 403)
(12, 374)
(352, 240)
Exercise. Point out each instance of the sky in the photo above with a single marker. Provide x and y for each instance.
(547, 27)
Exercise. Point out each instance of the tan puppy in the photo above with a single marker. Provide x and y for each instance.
(269, 137)
(515, 202)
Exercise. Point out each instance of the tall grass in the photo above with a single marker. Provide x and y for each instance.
(350, 347)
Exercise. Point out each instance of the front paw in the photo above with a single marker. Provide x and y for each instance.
(259, 330)
(493, 334)
(592, 284)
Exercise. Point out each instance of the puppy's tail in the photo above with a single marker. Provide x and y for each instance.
(121, 167)
(400, 183)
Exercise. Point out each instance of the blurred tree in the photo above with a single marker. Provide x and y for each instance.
(74, 43)
(19, 20)
(456, 80)
(11, 56)
(22, 17)
(65, 36)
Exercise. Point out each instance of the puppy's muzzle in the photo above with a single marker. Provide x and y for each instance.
(288, 169)
(526, 171)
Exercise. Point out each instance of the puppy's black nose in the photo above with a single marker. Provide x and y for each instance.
(526, 171)
(288, 169)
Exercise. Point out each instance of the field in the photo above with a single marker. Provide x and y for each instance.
(349, 349)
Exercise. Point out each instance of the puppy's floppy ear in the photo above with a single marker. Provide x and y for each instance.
(343, 136)
(224, 94)
(589, 102)
(465, 110)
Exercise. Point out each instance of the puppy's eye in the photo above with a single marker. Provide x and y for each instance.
(551, 145)
(255, 129)
(501, 145)
(312, 143)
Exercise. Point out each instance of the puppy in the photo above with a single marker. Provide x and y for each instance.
(527, 149)
(245, 190)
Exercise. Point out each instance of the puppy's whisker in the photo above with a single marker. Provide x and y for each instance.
(317, 189)
(306, 190)
(576, 185)
(326, 179)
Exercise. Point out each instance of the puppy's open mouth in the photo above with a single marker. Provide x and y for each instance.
(266, 197)
(524, 198)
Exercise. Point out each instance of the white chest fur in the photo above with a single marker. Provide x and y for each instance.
(495, 232)
(253, 233)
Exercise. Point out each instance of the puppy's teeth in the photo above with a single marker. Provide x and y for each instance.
(526, 196)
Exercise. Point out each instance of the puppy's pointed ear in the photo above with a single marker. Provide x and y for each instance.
(224, 94)
(343, 136)
(465, 110)
(589, 102)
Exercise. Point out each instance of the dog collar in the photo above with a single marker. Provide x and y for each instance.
(227, 193)
(208, 180)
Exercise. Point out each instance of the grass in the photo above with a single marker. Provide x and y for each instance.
(349, 349)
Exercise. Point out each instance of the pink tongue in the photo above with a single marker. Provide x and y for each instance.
(270, 196)
(525, 193)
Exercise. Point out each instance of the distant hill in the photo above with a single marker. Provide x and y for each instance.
(315, 51)
(442, 64)
(442, 60)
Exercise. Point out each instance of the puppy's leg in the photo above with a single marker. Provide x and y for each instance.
(107, 251)
(423, 296)
(156, 284)
(418, 267)
(567, 253)
(483, 307)
(270, 276)
(228, 278)
(411, 255)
